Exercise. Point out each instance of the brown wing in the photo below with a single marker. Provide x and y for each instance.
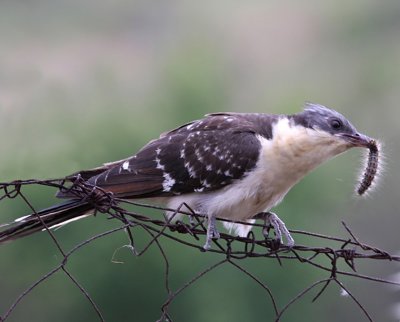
(204, 155)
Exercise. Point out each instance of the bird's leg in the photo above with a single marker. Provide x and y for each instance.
(271, 219)
(212, 232)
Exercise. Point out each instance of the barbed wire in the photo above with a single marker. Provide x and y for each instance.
(233, 250)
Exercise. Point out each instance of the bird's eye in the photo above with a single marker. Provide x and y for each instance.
(336, 124)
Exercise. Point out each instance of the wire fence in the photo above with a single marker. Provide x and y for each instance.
(231, 249)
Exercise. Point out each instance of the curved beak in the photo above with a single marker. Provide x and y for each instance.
(357, 140)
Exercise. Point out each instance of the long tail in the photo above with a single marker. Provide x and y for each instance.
(54, 216)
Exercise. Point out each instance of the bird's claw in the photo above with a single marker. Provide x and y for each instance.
(271, 219)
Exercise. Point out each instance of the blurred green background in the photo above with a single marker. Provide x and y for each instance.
(86, 82)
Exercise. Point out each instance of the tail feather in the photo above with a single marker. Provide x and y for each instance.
(52, 217)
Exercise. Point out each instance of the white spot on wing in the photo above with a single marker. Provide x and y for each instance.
(228, 173)
(192, 172)
(190, 169)
(125, 165)
(198, 155)
(159, 165)
(168, 182)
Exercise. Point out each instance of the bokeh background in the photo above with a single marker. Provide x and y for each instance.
(86, 82)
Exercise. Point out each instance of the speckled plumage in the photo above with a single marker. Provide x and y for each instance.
(201, 156)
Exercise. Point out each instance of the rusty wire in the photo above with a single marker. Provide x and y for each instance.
(233, 250)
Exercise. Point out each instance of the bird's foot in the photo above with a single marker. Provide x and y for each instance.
(271, 219)
(212, 232)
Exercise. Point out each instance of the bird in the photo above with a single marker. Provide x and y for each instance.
(234, 166)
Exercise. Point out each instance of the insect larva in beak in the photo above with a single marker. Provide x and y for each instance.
(371, 169)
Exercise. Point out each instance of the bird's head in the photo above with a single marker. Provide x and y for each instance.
(331, 125)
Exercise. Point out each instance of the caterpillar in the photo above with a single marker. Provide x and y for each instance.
(371, 168)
